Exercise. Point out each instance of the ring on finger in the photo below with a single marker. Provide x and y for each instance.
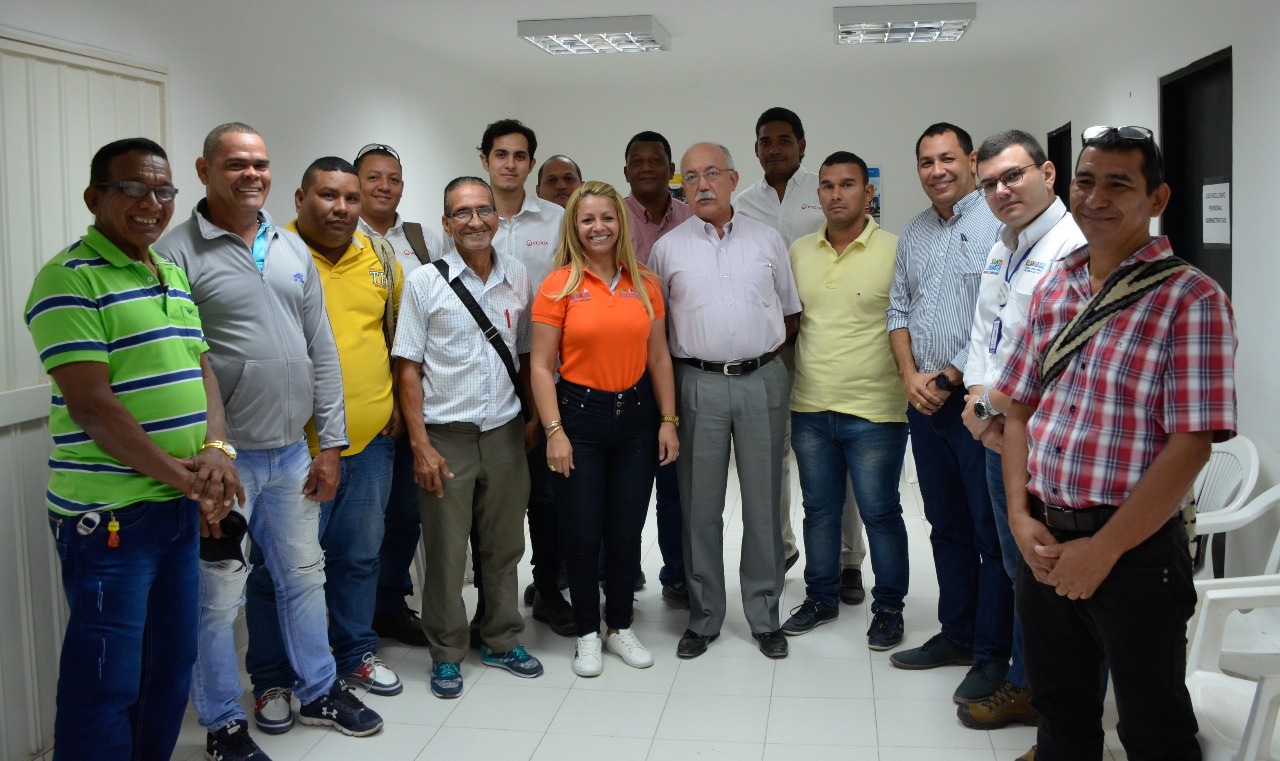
(553, 469)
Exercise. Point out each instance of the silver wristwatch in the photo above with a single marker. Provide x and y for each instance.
(983, 409)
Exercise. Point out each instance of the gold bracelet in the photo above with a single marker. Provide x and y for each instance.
(672, 419)
(550, 430)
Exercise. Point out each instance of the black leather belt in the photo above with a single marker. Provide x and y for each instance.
(732, 367)
(1084, 520)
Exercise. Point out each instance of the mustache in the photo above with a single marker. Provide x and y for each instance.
(705, 195)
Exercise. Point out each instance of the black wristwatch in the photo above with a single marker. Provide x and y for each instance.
(944, 383)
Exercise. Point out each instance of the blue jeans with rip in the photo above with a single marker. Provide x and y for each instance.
(351, 526)
(831, 449)
(285, 528)
(125, 668)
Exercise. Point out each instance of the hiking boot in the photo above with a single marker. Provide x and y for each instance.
(1010, 705)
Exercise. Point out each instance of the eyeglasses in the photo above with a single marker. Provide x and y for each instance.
(711, 175)
(377, 147)
(1008, 179)
(1137, 134)
(163, 193)
(463, 216)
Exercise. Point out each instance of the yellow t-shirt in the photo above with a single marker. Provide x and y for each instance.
(355, 297)
(843, 360)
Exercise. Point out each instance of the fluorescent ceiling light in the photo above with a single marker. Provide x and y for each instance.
(611, 34)
(903, 23)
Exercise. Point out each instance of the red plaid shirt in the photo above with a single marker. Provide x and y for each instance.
(1164, 365)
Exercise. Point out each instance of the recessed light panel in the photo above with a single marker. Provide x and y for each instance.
(903, 23)
(613, 34)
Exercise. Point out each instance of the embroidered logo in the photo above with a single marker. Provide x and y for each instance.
(379, 278)
(994, 267)
(537, 243)
(298, 278)
(1034, 268)
(583, 295)
(629, 293)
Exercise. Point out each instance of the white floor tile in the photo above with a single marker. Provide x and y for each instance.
(489, 744)
(788, 752)
(724, 676)
(611, 714)
(925, 724)
(729, 718)
(666, 750)
(398, 742)
(934, 754)
(517, 708)
(822, 678)
(822, 721)
(584, 748)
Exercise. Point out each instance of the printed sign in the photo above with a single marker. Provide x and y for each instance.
(1217, 213)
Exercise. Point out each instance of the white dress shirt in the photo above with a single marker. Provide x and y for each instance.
(796, 215)
(463, 378)
(404, 252)
(1023, 260)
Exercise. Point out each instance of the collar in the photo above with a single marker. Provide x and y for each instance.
(1156, 250)
(458, 267)
(962, 206)
(1039, 227)
(859, 242)
(639, 209)
(364, 227)
(102, 246)
(357, 244)
(210, 231)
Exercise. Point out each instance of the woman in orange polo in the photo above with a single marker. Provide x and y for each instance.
(601, 315)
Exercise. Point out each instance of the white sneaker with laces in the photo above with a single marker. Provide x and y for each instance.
(273, 711)
(374, 676)
(586, 659)
(626, 645)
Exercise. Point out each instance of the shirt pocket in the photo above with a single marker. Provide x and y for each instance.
(692, 292)
(761, 287)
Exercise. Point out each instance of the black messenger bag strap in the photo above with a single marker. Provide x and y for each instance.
(1114, 298)
(491, 333)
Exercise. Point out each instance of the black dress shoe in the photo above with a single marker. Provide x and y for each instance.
(693, 644)
(555, 613)
(677, 593)
(403, 625)
(772, 644)
(851, 591)
(792, 559)
(529, 592)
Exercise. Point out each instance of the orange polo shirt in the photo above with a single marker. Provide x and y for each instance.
(604, 339)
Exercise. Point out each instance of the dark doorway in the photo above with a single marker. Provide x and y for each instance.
(1059, 150)
(1195, 129)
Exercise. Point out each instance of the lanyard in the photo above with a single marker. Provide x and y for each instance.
(1006, 286)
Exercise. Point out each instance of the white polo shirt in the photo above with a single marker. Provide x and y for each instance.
(404, 252)
(795, 216)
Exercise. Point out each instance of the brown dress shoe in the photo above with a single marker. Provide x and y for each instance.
(1009, 705)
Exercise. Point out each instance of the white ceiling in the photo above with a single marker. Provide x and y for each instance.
(711, 40)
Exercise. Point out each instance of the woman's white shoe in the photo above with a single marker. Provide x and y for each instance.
(626, 646)
(586, 659)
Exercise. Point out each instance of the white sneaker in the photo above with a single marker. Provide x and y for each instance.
(586, 659)
(374, 676)
(626, 645)
(273, 711)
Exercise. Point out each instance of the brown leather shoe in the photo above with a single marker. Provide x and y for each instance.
(1009, 705)
(1028, 756)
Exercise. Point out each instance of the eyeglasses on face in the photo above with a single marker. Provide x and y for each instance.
(163, 193)
(1008, 179)
(711, 175)
(463, 216)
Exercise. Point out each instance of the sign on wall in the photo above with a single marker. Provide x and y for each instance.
(1217, 213)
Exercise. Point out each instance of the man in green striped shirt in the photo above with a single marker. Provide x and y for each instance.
(139, 468)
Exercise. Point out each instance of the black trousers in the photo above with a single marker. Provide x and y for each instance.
(1137, 622)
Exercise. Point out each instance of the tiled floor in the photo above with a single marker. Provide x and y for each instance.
(832, 698)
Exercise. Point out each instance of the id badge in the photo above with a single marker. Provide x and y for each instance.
(995, 337)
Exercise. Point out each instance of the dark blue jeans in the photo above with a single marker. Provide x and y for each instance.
(130, 643)
(606, 496)
(670, 525)
(975, 600)
(833, 448)
(1010, 554)
(351, 537)
(401, 530)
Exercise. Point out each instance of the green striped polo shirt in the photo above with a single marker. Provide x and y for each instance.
(92, 303)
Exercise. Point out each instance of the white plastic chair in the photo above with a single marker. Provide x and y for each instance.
(1221, 491)
(1237, 715)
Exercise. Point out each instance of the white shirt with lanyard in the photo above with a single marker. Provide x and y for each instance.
(1014, 267)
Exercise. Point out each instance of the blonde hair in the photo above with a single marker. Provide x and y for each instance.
(572, 253)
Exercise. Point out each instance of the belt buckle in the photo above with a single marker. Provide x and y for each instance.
(732, 364)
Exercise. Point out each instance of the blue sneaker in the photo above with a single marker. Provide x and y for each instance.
(517, 661)
(446, 680)
(343, 711)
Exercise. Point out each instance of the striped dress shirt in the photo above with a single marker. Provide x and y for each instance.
(935, 281)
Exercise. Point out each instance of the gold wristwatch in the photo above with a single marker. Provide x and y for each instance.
(226, 448)
(673, 419)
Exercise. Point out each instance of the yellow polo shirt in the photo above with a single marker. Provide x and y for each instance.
(355, 297)
(843, 360)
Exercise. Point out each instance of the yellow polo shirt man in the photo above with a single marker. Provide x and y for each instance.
(355, 296)
(843, 360)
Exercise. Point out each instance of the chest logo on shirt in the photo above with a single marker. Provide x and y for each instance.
(583, 295)
(297, 278)
(629, 293)
(809, 207)
(531, 243)
(379, 278)
(994, 267)
(1035, 268)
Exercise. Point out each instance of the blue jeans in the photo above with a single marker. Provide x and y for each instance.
(832, 448)
(351, 537)
(670, 526)
(402, 528)
(285, 527)
(606, 496)
(975, 596)
(130, 641)
(1010, 554)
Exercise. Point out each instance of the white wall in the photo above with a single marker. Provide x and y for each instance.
(326, 87)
